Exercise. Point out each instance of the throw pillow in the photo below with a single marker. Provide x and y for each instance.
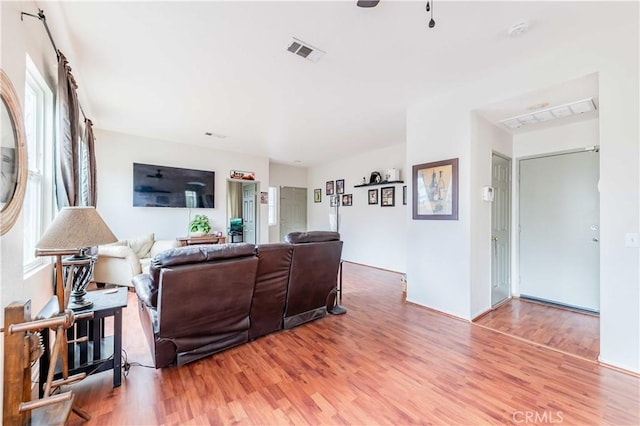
(141, 245)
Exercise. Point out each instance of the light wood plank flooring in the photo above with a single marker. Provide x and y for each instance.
(384, 362)
(566, 330)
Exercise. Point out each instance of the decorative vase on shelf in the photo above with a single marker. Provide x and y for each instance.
(197, 233)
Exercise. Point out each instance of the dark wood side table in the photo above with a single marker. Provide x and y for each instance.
(206, 239)
(100, 352)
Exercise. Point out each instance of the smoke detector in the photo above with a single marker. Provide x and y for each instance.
(305, 50)
(518, 29)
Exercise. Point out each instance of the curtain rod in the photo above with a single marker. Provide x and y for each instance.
(40, 16)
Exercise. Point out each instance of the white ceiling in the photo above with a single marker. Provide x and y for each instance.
(175, 70)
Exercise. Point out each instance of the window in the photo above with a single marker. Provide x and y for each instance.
(38, 202)
(273, 219)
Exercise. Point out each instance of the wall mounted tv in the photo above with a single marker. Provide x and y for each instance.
(162, 186)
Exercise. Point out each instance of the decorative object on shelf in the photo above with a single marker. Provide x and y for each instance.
(404, 195)
(375, 178)
(347, 199)
(317, 195)
(340, 186)
(330, 187)
(388, 196)
(237, 174)
(13, 156)
(199, 225)
(392, 175)
(373, 196)
(435, 190)
(364, 181)
(72, 231)
(264, 198)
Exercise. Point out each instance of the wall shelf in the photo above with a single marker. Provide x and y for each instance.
(386, 182)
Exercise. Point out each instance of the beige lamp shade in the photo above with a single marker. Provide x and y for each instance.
(75, 228)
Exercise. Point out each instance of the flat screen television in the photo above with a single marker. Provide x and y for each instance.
(162, 186)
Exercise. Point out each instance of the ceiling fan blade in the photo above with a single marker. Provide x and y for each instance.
(368, 3)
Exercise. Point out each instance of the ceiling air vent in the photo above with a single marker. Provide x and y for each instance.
(560, 111)
(305, 50)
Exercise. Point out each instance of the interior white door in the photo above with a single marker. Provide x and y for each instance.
(249, 212)
(559, 229)
(293, 210)
(500, 229)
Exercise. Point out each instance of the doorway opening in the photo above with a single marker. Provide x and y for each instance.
(242, 211)
(293, 210)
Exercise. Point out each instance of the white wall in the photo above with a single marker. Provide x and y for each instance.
(485, 140)
(440, 128)
(284, 175)
(115, 155)
(372, 235)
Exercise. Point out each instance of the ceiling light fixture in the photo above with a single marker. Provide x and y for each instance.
(551, 113)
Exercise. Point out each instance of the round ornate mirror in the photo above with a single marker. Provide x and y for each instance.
(13, 156)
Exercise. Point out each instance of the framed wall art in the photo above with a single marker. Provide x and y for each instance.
(330, 188)
(435, 190)
(317, 195)
(347, 200)
(340, 186)
(388, 196)
(404, 195)
(373, 196)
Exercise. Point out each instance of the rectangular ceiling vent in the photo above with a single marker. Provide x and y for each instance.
(560, 111)
(305, 50)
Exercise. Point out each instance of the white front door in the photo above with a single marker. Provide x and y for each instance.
(500, 229)
(249, 212)
(293, 210)
(559, 229)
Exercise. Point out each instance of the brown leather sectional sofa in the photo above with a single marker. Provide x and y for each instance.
(199, 300)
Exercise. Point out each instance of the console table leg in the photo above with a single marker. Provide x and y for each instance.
(117, 348)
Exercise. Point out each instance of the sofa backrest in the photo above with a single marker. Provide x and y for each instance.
(269, 295)
(192, 255)
(313, 276)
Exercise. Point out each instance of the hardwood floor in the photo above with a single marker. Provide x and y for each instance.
(384, 362)
(562, 329)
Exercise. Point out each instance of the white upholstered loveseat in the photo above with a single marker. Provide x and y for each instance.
(119, 262)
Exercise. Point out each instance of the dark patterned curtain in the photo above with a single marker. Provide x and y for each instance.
(90, 158)
(66, 147)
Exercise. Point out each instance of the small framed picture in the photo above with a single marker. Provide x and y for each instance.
(373, 196)
(388, 196)
(264, 198)
(347, 200)
(340, 186)
(334, 200)
(404, 195)
(435, 190)
(317, 195)
(330, 187)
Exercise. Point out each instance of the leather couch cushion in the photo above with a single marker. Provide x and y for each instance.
(191, 255)
(311, 237)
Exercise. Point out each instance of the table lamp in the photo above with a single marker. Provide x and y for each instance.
(73, 231)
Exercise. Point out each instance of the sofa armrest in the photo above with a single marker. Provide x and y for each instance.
(161, 245)
(143, 286)
(116, 265)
